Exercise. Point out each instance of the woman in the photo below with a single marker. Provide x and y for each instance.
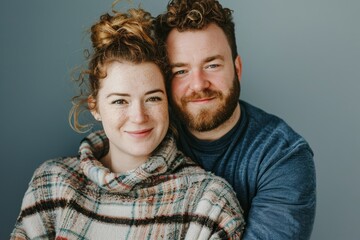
(129, 180)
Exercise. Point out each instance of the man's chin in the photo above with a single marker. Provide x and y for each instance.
(197, 119)
(202, 126)
(200, 122)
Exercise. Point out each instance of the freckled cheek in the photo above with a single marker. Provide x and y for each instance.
(161, 113)
(117, 118)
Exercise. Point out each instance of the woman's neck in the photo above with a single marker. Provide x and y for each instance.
(121, 163)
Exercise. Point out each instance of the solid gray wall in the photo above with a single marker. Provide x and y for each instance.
(301, 62)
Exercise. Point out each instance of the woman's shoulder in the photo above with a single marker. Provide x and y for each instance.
(210, 181)
(62, 168)
(214, 197)
(198, 178)
(58, 165)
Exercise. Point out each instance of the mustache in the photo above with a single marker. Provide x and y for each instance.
(207, 93)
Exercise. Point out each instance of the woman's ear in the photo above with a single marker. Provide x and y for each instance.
(93, 109)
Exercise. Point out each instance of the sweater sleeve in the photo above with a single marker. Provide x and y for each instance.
(284, 205)
(218, 211)
(37, 214)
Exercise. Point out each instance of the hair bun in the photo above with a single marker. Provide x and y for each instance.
(121, 27)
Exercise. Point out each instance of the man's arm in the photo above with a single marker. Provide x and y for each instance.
(284, 205)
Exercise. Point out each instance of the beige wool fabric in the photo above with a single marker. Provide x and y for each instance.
(168, 197)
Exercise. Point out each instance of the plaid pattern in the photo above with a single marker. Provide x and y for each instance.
(168, 197)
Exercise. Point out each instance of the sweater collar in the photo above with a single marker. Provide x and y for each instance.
(96, 145)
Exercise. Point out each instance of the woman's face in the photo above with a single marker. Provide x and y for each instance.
(132, 105)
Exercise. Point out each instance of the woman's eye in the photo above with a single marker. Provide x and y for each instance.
(154, 99)
(119, 101)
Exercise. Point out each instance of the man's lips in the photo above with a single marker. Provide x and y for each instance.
(201, 100)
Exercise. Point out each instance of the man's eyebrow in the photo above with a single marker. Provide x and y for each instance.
(206, 60)
(180, 64)
(212, 58)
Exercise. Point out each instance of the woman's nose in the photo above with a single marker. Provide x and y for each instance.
(138, 113)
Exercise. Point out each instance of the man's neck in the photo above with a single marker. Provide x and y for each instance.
(221, 130)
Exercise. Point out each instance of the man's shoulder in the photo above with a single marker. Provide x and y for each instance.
(271, 131)
(260, 121)
(256, 115)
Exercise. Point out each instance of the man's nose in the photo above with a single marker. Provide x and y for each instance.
(198, 81)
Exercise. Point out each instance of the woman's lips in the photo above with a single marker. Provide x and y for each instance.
(140, 133)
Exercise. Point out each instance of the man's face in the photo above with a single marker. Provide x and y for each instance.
(205, 84)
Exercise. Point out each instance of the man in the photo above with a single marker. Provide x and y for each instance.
(269, 165)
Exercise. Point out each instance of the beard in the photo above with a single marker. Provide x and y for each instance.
(208, 119)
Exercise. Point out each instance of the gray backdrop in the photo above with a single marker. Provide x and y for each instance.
(301, 62)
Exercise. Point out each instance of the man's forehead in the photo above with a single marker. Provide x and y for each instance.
(206, 42)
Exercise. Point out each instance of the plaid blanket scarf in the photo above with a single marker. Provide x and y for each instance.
(168, 197)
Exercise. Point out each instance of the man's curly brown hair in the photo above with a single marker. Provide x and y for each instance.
(195, 15)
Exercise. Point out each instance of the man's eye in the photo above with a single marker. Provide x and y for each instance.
(154, 99)
(119, 101)
(180, 72)
(211, 66)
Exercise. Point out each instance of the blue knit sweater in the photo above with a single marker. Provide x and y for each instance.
(271, 168)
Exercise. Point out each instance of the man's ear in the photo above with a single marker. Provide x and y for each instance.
(238, 67)
(93, 108)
